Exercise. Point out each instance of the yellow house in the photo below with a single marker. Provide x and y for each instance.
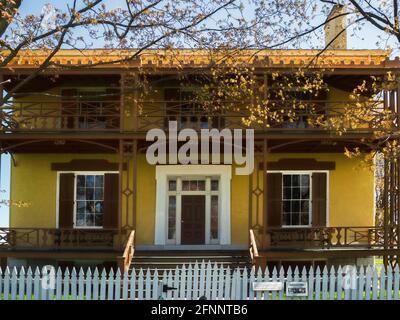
(78, 145)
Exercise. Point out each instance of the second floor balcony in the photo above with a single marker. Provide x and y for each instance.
(106, 115)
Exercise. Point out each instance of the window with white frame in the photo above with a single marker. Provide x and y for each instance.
(296, 199)
(89, 200)
(208, 186)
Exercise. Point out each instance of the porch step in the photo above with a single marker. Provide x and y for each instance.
(169, 260)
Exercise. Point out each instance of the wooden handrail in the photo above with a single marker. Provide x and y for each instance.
(124, 261)
(253, 247)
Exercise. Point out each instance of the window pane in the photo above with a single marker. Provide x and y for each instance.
(286, 219)
(287, 180)
(287, 193)
(80, 220)
(193, 186)
(90, 220)
(295, 219)
(80, 181)
(286, 206)
(90, 181)
(296, 193)
(90, 207)
(99, 220)
(295, 180)
(171, 217)
(214, 217)
(214, 185)
(305, 206)
(98, 194)
(80, 194)
(185, 185)
(172, 185)
(80, 206)
(304, 219)
(99, 207)
(89, 193)
(305, 180)
(305, 192)
(201, 185)
(99, 182)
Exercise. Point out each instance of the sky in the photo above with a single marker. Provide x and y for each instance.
(366, 39)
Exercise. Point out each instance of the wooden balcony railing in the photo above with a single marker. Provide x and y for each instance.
(328, 237)
(60, 116)
(55, 239)
(76, 115)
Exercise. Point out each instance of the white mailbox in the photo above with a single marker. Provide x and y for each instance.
(267, 286)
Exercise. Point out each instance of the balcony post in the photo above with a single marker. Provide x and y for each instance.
(265, 186)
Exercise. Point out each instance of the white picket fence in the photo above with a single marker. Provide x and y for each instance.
(194, 281)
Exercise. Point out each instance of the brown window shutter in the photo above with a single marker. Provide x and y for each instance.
(66, 200)
(319, 199)
(111, 198)
(274, 199)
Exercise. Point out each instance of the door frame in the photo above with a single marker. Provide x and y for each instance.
(163, 172)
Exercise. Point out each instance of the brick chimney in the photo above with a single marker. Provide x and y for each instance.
(334, 26)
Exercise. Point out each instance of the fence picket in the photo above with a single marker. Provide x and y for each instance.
(103, 285)
(382, 280)
(156, 283)
(36, 284)
(66, 284)
(125, 285)
(110, 286)
(282, 279)
(88, 285)
(81, 285)
(311, 283)
(140, 285)
(252, 279)
(95, 287)
(117, 293)
(6, 284)
(374, 284)
(368, 283)
(195, 294)
(396, 283)
(21, 284)
(389, 283)
(189, 282)
(214, 282)
(73, 284)
(14, 277)
(332, 283)
(228, 284)
(147, 294)
(28, 284)
(59, 282)
(361, 283)
(132, 285)
(182, 287)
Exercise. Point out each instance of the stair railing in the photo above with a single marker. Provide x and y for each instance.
(125, 260)
(253, 250)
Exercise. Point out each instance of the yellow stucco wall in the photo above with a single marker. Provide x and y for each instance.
(351, 193)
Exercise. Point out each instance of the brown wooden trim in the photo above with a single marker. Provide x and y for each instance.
(86, 165)
(299, 164)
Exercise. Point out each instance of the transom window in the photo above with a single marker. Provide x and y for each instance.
(296, 199)
(89, 200)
